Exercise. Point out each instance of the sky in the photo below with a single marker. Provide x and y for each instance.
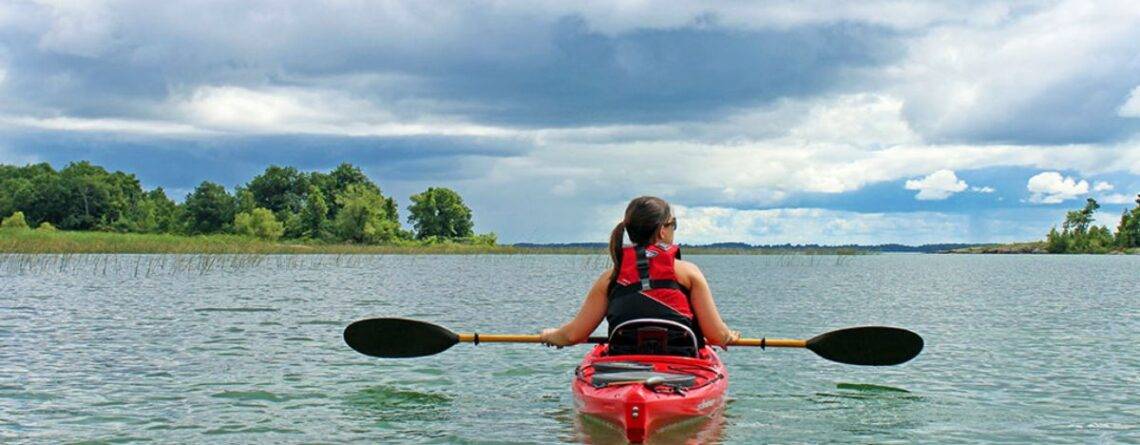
(828, 122)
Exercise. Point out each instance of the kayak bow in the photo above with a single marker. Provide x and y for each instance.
(641, 394)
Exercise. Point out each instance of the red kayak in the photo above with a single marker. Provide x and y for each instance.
(643, 393)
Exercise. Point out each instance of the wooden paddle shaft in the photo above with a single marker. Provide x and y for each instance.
(771, 342)
(533, 338)
(498, 338)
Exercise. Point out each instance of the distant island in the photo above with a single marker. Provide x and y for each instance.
(1078, 235)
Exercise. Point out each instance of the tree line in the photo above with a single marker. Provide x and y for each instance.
(1079, 235)
(343, 205)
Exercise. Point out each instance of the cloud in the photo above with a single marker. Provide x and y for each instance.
(1053, 73)
(313, 111)
(1102, 186)
(1131, 107)
(84, 29)
(127, 126)
(986, 189)
(936, 186)
(1052, 188)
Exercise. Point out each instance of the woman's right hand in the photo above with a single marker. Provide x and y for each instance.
(729, 338)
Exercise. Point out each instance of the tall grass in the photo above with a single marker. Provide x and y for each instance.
(61, 242)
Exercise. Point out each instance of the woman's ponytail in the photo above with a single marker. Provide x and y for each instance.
(616, 238)
(644, 217)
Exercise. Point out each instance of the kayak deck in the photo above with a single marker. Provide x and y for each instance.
(643, 393)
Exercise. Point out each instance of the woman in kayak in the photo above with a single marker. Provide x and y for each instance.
(648, 280)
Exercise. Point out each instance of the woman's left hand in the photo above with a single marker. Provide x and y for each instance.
(548, 337)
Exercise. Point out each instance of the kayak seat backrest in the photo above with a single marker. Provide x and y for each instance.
(652, 336)
(629, 377)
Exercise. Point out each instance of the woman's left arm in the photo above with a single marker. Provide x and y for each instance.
(714, 328)
(589, 316)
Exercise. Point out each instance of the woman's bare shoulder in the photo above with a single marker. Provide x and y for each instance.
(680, 265)
(686, 272)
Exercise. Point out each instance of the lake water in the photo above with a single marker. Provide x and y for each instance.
(1019, 349)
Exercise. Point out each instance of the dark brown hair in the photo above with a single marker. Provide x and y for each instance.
(644, 216)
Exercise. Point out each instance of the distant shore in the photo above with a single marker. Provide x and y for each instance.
(82, 242)
(1036, 247)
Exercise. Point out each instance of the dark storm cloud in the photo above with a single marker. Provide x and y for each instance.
(496, 70)
(650, 76)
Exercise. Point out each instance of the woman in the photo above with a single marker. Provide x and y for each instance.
(648, 280)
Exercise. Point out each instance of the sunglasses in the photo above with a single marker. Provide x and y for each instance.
(672, 224)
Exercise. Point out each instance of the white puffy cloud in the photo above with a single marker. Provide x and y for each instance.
(1102, 186)
(1053, 188)
(936, 186)
(985, 189)
(1131, 106)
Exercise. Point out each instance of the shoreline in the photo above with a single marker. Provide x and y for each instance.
(1030, 248)
(91, 242)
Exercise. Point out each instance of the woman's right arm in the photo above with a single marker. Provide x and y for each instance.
(589, 316)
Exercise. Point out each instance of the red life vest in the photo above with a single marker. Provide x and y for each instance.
(646, 287)
(661, 283)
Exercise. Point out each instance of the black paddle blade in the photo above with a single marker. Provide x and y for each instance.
(867, 345)
(398, 337)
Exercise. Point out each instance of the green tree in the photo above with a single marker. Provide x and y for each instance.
(1128, 232)
(93, 198)
(165, 211)
(37, 190)
(45, 227)
(15, 221)
(209, 209)
(1078, 220)
(260, 223)
(1076, 228)
(245, 200)
(363, 218)
(314, 218)
(279, 189)
(153, 212)
(1056, 242)
(337, 181)
(440, 212)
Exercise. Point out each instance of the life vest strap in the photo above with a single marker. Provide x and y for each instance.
(653, 284)
(643, 267)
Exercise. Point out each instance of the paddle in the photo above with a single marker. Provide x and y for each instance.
(401, 337)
